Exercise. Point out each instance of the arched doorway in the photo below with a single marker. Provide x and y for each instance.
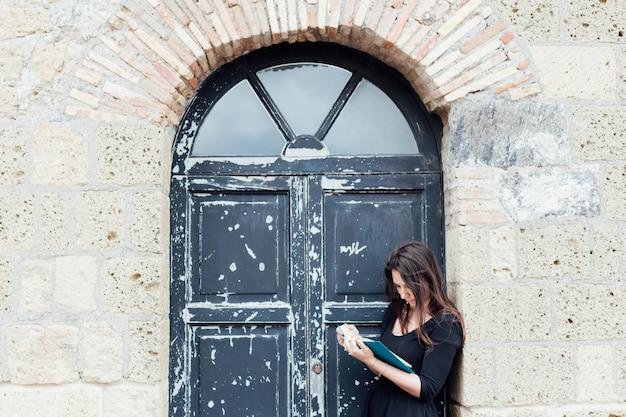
(296, 169)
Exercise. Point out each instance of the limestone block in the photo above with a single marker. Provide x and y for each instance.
(502, 313)
(614, 193)
(148, 353)
(80, 401)
(75, 283)
(458, 411)
(11, 62)
(536, 21)
(503, 253)
(622, 74)
(576, 72)
(134, 285)
(597, 21)
(42, 355)
(593, 410)
(534, 375)
(15, 401)
(474, 385)
(103, 350)
(18, 22)
(594, 370)
(144, 400)
(621, 371)
(528, 195)
(131, 155)
(53, 212)
(554, 251)
(35, 286)
(13, 162)
(6, 285)
(599, 132)
(8, 100)
(467, 257)
(60, 157)
(47, 60)
(590, 312)
(504, 133)
(607, 252)
(101, 220)
(149, 229)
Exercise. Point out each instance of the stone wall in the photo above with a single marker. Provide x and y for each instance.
(533, 98)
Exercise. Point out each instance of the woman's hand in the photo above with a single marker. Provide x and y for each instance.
(348, 329)
(355, 347)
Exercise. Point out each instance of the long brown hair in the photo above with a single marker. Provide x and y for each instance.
(420, 271)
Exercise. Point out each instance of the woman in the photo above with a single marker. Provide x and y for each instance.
(421, 325)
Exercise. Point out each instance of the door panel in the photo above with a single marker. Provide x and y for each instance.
(364, 217)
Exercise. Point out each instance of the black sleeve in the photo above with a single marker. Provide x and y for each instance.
(447, 336)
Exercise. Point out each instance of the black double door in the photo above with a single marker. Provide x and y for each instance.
(264, 269)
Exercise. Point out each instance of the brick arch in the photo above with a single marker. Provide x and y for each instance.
(157, 52)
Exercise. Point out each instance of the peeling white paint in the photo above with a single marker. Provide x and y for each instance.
(250, 251)
(352, 249)
(233, 267)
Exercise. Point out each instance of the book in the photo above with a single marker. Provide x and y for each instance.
(382, 352)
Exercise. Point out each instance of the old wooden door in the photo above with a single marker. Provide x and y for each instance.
(271, 252)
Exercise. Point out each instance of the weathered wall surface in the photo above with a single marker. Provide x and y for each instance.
(533, 97)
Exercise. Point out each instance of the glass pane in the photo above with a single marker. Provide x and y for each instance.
(370, 124)
(304, 92)
(238, 124)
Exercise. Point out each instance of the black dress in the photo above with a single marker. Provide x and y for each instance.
(387, 399)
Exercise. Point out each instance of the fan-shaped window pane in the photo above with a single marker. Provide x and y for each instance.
(238, 124)
(370, 123)
(304, 92)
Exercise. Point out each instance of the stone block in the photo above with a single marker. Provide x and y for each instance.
(42, 355)
(608, 252)
(502, 253)
(6, 285)
(466, 259)
(148, 351)
(18, 22)
(143, 399)
(75, 283)
(528, 195)
(13, 160)
(474, 384)
(534, 375)
(132, 155)
(523, 312)
(134, 285)
(9, 104)
(101, 220)
(36, 283)
(622, 74)
(590, 311)
(80, 401)
(614, 192)
(554, 251)
(594, 370)
(535, 21)
(599, 132)
(11, 62)
(621, 371)
(53, 213)
(103, 350)
(576, 72)
(60, 157)
(593, 410)
(47, 60)
(505, 134)
(15, 401)
(597, 21)
(150, 223)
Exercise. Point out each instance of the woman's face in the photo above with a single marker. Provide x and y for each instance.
(403, 290)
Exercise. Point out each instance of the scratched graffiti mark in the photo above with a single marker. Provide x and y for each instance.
(354, 249)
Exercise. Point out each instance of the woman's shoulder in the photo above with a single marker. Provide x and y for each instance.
(444, 325)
